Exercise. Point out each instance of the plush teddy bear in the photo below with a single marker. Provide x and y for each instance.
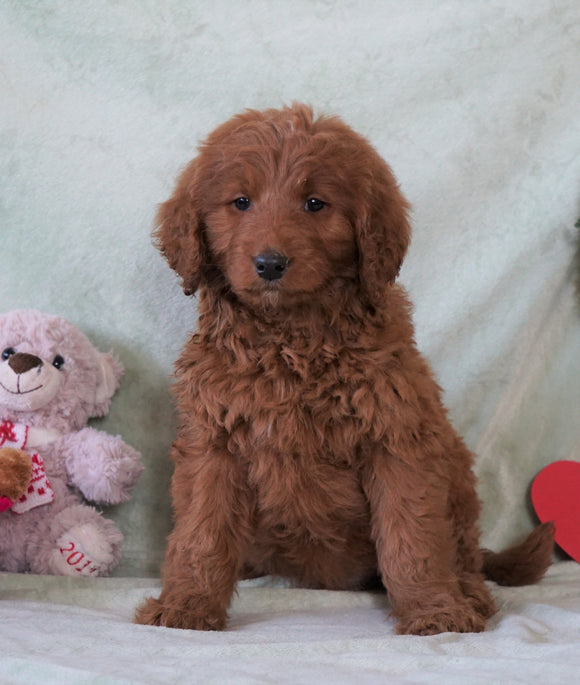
(52, 380)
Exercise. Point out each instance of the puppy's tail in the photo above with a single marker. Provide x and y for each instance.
(524, 563)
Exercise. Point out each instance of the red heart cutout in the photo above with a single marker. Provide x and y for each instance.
(556, 497)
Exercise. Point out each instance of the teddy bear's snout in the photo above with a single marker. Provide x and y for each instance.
(22, 362)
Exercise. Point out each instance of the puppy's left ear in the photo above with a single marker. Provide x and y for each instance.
(383, 231)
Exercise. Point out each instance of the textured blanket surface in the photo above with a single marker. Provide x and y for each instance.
(68, 631)
(476, 106)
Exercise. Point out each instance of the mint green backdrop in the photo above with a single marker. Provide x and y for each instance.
(478, 111)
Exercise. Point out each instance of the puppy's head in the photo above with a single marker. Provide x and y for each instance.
(279, 205)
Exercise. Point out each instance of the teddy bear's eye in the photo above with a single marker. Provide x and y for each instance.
(7, 353)
(58, 362)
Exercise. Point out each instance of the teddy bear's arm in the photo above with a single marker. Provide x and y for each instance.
(101, 466)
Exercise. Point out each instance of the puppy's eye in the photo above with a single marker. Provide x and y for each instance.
(242, 203)
(7, 353)
(58, 362)
(313, 204)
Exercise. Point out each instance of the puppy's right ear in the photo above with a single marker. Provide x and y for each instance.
(178, 233)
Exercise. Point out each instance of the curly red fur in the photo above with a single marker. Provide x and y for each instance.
(313, 442)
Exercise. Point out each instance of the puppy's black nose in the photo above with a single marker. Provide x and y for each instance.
(270, 265)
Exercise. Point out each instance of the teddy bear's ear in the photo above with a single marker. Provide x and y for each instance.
(109, 371)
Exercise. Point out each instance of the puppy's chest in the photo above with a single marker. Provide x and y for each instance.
(298, 434)
(278, 405)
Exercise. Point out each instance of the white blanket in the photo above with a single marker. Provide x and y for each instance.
(58, 631)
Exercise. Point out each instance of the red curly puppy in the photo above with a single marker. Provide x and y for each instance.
(313, 443)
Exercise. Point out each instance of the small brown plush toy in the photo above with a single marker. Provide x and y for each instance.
(15, 473)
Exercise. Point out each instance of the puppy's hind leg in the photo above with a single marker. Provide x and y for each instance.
(464, 511)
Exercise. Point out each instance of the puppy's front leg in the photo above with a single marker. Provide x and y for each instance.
(416, 550)
(205, 550)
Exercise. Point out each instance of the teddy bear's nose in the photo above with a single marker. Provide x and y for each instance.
(21, 362)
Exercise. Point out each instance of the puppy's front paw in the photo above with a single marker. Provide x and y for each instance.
(456, 619)
(154, 613)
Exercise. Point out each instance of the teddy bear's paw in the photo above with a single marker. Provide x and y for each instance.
(84, 550)
(102, 466)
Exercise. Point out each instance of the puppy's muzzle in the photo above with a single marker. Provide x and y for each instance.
(270, 266)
